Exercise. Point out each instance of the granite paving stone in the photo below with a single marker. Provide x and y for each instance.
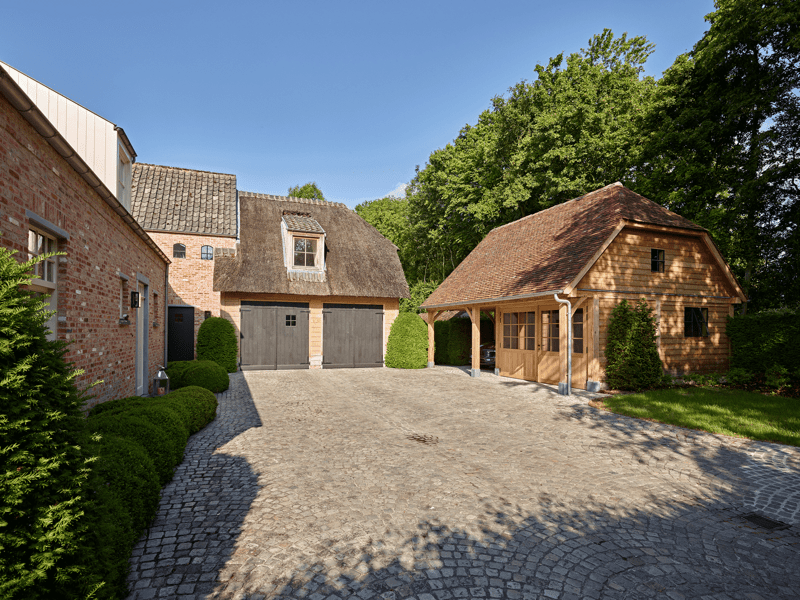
(384, 484)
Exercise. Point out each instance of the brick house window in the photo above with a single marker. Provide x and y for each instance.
(38, 244)
(178, 251)
(657, 261)
(695, 321)
(207, 253)
(305, 252)
(44, 275)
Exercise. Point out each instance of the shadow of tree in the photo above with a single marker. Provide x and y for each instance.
(202, 509)
(212, 538)
(684, 550)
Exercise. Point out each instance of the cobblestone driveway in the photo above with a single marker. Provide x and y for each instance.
(384, 484)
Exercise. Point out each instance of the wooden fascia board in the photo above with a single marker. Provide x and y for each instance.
(712, 247)
(574, 283)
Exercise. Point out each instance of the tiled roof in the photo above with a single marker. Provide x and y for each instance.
(301, 223)
(545, 251)
(184, 200)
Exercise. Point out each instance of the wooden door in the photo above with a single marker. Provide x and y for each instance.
(180, 333)
(517, 356)
(549, 347)
(274, 335)
(352, 336)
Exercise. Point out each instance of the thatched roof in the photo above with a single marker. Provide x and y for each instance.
(359, 260)
(545, 251)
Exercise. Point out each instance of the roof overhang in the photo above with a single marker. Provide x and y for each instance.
(31, 113)
(451, 305)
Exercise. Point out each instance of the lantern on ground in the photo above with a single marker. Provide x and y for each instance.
(161, 383)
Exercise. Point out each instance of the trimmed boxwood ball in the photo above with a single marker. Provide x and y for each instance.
(407, 347)
(216, 340)
(204, 373)
(200, 402)
(152, 438)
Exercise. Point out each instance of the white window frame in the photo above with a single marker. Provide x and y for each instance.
(123, 176)
(42, 267)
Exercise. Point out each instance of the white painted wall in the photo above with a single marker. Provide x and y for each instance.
(93, 137)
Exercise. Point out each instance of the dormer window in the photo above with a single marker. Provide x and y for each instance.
(303, 246)
(305, 252)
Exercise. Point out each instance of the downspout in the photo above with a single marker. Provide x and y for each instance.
(568, 389)
(166, 311)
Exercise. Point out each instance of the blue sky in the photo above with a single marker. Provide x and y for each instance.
(352, 95)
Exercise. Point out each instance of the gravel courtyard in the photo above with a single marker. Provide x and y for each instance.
(381, 484)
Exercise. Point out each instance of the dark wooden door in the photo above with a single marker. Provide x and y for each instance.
(180, 333)
(274, 335)
(352, 336)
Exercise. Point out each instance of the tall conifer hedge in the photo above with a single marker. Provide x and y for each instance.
(631, 352)
(43, 459)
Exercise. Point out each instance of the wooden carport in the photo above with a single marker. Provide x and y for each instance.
(530, 340)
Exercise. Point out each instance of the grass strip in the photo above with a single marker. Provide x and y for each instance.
(729, 412)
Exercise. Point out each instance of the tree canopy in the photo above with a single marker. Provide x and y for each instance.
(715, 140)
(722, 142)
(309, 190)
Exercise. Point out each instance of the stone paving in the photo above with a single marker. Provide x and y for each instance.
(385, 484)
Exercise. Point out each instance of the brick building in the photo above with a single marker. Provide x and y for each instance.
(192, 216)
(52, 199)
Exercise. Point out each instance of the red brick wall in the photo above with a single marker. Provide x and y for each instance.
(191, 279)
(33, 176)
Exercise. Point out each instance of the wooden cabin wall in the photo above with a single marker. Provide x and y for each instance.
(691, 278)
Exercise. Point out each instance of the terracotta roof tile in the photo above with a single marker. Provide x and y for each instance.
(185, 200)
(545, 251)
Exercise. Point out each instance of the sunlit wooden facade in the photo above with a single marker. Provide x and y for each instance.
(632, 249)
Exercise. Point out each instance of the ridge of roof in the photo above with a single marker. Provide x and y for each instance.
(275, 198)
(559, 205)
(142, 164)
(546, 250)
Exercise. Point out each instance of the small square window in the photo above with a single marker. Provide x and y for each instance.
(291, 320)
(657, 261)
(207, 314)
(695, 322)
(178, 251)
(305, 251)
(207, 253)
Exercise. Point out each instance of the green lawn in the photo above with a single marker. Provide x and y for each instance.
(730, 412)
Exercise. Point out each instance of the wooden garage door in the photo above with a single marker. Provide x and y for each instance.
(274, 335)
(352, 336)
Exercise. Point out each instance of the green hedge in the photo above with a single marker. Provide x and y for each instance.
(407, 347)
(203, 373)
(44, 461)
(763, 340)
(140, 442)
(216, 340)
(452, 342)
(632, 356)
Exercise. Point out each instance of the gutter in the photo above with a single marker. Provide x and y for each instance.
(501, 299)
(31, 113)
(126, 142)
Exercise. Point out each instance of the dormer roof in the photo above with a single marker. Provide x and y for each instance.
(301, 223)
